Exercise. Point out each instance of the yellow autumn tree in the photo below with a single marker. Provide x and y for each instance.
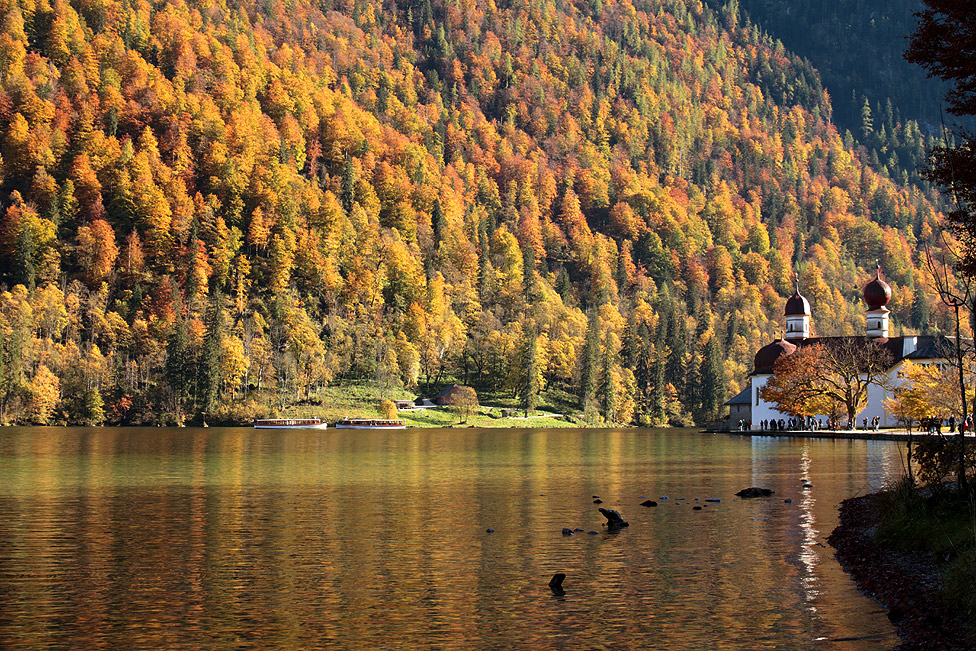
(45, 393)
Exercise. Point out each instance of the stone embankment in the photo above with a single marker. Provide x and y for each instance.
(907, 584)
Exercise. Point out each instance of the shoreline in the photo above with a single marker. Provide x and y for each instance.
(905, 583)
(869, 435)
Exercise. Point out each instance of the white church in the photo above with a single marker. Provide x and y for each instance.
(749, 407)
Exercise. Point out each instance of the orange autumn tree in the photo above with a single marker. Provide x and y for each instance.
(420, 182)
(825, 378)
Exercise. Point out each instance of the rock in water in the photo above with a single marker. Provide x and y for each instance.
(556, 583)
(648, 503)
(614, 521)
(754, 492)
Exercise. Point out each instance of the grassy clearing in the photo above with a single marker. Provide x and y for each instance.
(942, 523)
(362, 400)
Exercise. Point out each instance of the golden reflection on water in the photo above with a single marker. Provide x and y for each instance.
(240, 539)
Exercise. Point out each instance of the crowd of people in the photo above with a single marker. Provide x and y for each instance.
(813, 424)
(934, 425)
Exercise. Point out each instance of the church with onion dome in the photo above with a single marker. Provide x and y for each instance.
(749, 407)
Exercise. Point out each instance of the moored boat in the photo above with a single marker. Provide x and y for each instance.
(370, 423)
(290, 423)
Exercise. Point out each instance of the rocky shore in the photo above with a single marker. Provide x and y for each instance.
(907, 584)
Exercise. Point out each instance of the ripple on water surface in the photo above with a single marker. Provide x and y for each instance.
(232, 538)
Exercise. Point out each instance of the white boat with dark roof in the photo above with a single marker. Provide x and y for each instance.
(290, 423)
(370, 423)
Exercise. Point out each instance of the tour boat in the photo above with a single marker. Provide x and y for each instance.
(370, 423)
(290, 423)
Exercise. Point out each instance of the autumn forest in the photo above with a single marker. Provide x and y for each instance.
(227, 207)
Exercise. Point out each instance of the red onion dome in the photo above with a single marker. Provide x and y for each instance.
(768, 354)
(877, 293)
(797, 305)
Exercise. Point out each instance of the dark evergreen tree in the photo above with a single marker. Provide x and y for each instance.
(632, 340)
(867, 121)
(711, 381)
(210, 358)
(531, 384)
(347, 193)
(179, 367)
(656, 401)
(608, 386)
(26, 270)
(528, 273)
(921, 317)
(731, 328)
(943, 44)
(437, 222)
(642, 358)
(484, 265)
(590, 367)
(675, 371)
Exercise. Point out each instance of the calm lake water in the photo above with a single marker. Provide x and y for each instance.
(247, 539)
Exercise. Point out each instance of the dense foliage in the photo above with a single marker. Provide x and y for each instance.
(945, 45)
(225, 207)
(858, 49)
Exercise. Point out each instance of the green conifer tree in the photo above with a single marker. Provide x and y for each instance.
(591, 362)
(347, 192)
(531, 380)
(867, 121)
(210, 358)
(608, 385)
(179, 367)
(711, 381)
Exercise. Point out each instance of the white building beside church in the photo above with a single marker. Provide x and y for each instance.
(748, 406)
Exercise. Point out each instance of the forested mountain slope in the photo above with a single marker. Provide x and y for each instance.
(858, 47)
(225, 207)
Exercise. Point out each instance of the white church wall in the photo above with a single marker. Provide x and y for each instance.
(762, 410)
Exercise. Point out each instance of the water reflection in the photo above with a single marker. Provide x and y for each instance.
(222, 538)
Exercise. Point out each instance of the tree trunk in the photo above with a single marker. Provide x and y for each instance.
(963, 484)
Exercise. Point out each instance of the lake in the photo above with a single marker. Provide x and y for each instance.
(235, 538)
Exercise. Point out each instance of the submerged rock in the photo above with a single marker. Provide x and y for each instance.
(755, 492)
(648, 503)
